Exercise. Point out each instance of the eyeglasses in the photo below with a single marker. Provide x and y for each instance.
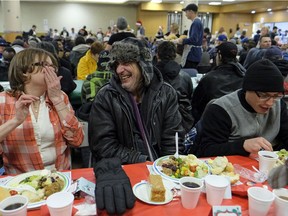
(45, 64)
(265, 97)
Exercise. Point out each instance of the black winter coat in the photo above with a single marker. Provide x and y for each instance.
(113, 131)
(182, 83)
(222, 80)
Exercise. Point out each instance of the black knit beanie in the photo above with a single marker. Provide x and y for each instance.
(263, 76)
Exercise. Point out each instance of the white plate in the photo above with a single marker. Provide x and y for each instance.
(140, 190)
(15, 181)
(158, 169)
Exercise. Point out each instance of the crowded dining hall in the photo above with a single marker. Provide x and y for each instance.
(161, 107)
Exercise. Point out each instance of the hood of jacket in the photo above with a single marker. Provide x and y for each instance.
(169, 69)
(81, 48)
(282, 65)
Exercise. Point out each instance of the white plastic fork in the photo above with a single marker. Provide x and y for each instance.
(176, 155)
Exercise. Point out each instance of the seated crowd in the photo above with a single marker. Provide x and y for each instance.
(136, 97)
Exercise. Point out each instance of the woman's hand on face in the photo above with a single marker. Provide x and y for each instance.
(22, 106)
(53, 85)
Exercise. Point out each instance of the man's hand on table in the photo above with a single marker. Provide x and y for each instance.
(113, 190)
(256, 144)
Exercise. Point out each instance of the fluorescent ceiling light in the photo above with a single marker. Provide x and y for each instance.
(253, 11)
(228, 0)
(100, 1)
(269, 9)
(181, 2)
(156, 1)
(215, 3)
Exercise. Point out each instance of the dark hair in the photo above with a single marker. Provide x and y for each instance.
(79, 40)
(262, 36)
(207, 30)
(166, 51)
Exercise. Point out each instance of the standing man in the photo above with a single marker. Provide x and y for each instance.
(193, 43)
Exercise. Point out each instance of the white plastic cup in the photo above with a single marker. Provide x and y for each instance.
(189, 195)
(60, 203)
(267, 160)
(21, 211)
(259, 201)
(215, 189)
(281, 205)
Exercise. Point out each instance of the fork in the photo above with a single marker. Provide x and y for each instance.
(176, 155)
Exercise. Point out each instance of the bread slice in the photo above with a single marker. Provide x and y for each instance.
(156, 189)
(4, 193)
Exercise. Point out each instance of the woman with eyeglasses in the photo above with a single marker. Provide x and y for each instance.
(247, 120)
(37, 122)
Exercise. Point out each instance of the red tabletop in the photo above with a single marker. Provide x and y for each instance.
(138, 172)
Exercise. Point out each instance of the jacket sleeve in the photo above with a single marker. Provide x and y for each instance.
(283, 133)
(71, 128)
(215, 132)
(82, 69)
(103, 135)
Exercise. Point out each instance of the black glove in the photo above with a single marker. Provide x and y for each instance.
(278, 176)
(113, 190)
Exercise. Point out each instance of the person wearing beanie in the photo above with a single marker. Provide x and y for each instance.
(223, 79)
(122, 33)
(249, 119)
(193, 43)
(135, 116)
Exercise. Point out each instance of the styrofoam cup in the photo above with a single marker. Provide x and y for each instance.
(60, 203)
(259, 201)
(190, 196)
(215, 189)
(281, 205)
(21, 211)
(267, 160)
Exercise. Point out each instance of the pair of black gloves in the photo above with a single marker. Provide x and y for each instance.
(113, 190)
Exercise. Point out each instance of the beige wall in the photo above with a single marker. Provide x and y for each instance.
(59, 15)
(94, 16)
(279, 16)
(231, 20)
(152, 20)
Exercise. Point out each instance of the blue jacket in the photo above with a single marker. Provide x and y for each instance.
(195, 39)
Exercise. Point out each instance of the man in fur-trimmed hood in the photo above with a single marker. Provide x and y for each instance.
(135, 116)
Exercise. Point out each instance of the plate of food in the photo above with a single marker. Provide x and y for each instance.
(38, 185)
(173, 169)
(282, 156)
(155, 191)
(221, 166)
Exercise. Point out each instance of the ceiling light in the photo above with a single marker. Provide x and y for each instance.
(156, 1)
(253, 11)
(215, 3)
(269, 9)
(181, 2)
(228, 0)
(100, 1)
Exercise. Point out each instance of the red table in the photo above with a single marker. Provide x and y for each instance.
(138, 172)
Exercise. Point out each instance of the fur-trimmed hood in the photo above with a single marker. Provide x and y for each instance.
(133, 50)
